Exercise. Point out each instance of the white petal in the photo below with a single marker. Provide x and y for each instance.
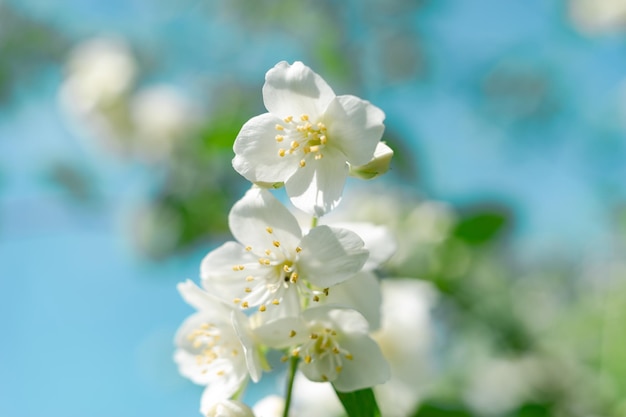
(262, 222)
(277, 334)
(225, 388)
(185, 355)
(293, 90)
(368, 367)
(257, 152)
(270, 406)
(289, 305)
(378, 240)
(252, 354)
(221, 276)
(362, 293)
(330, 256)
(228, 408)
(200, 299)
(317, 188)
(354, 126)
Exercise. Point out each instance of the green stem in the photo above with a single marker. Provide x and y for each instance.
(293, 367)
(313, 222)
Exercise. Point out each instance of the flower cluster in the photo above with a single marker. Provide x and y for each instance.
(308, 291)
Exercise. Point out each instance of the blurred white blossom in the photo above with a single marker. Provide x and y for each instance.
(229, 408)
(598, 16)
(405, 338)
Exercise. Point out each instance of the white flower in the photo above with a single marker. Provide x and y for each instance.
(229, 408)
(405, 340)
(274, 264)
(215, 347)
(308, 138)
(333, 344)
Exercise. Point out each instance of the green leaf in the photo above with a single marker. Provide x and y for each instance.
(360, 403)
(442, 410)
(482, 225)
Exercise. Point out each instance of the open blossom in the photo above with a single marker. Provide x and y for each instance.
(215, 347)
(333, 344)
(308, 139)
(273, 264)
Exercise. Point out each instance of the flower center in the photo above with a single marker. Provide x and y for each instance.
(303, 138)
(323, 351)
(282, 273)
(208, 341)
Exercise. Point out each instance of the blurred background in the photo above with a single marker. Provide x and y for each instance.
(507, 189)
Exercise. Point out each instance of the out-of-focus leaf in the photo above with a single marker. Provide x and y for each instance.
(26, 47)
(479, 226)
(361, 403)
(73, 180)
(442, 410)
(533, 410)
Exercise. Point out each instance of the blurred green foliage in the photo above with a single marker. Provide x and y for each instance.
(26, 48)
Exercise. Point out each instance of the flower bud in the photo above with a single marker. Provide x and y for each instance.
(377, 166)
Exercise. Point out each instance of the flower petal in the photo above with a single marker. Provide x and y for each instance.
(278, 334)
(354, 126)
(292, 90)
(330, 256)
(362, 293)
(257, 155)
(253, 356)
(378, 240)
(317, 188)
(224, 271)
(200, 299)
(262, 222)
(228, 408)
(225, 388)
(367, 368)
(186, 354)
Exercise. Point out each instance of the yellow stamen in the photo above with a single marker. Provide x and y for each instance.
(281, 152)
(279, 138)
(280, 127)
